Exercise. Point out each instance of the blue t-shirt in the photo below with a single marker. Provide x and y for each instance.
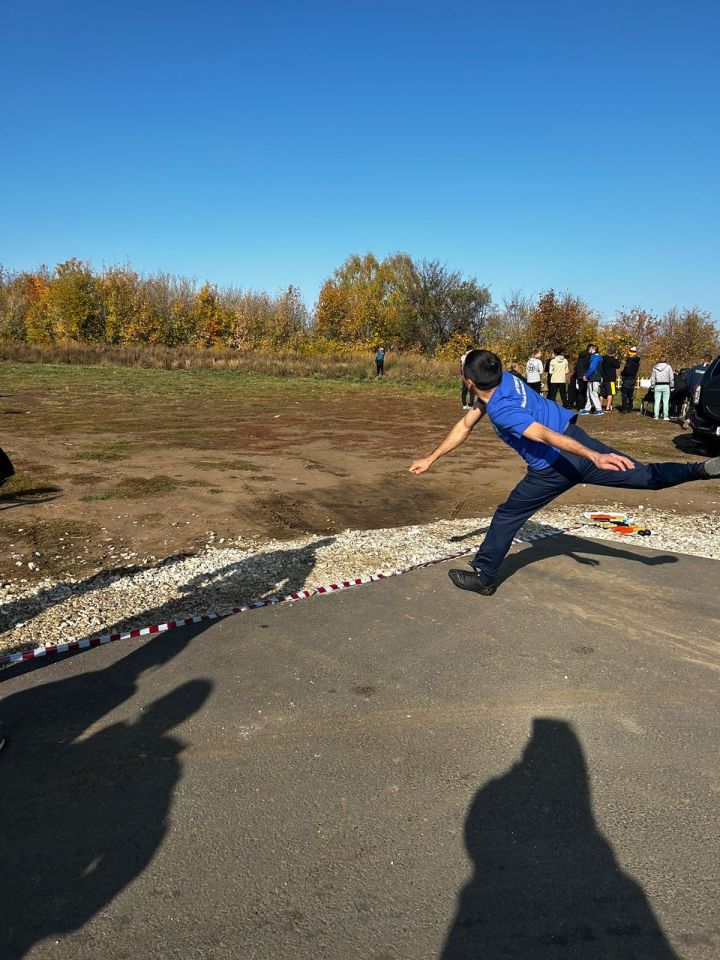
(513, 407)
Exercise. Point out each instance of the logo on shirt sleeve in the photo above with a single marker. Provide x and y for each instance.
(521, 391)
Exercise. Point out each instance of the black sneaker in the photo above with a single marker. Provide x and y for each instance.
(711, 468)
(473, 580)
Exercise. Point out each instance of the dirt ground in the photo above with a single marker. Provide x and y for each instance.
(115, 464)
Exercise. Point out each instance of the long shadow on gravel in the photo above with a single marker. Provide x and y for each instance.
(83, 810)
(261, 576)
(28, 607)
(546, 881)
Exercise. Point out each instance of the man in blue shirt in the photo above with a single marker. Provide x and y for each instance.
(558, 454)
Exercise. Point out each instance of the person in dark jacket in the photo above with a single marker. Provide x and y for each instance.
(693, 380)
(610, 367)
(581, 366)
(629, 374)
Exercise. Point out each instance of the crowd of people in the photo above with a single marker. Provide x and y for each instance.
(596, 379)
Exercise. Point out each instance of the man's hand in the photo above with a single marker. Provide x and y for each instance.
(421, 466)
(613, 461)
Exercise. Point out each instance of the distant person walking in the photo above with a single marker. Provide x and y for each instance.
(593, 378)
(534, 372)
(515, 371)
(629, 375)
(610, 367)
(662, 381)
(380, 362)
(557, 377)
(465, 394)
(694, 379)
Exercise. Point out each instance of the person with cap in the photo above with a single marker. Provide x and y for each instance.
(629, 374)
(558, 453)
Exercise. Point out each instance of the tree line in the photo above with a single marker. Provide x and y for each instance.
(412, 306)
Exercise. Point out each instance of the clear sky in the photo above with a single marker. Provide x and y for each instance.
(531, 144)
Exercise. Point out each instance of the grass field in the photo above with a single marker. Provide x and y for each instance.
(116, 463)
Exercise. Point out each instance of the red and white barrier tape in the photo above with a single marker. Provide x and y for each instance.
(75, 646)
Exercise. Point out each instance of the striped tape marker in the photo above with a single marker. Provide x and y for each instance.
(52, 650)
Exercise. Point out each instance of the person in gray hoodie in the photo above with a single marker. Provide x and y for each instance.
(662, 381)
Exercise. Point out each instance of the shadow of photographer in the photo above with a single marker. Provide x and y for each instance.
(546, 882)
(84, 807)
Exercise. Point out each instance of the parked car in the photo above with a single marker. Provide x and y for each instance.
(705, 418)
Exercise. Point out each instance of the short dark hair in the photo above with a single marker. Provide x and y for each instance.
(484, 368)
(707, 356)
(558, 351)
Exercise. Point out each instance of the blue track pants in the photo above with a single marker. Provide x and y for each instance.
(538, 488)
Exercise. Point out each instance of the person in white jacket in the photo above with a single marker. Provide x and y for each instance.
(534, 371)
(557, 379)
(662, 381)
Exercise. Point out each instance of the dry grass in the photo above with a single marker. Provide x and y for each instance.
(137, 488)
(115, 450)
(406, 369)
(240, 465)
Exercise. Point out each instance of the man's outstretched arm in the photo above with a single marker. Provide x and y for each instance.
(459, 434)
(604, 461)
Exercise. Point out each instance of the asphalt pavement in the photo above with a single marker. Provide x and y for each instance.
(400, 771)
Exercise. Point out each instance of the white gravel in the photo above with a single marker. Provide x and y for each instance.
(228, 575)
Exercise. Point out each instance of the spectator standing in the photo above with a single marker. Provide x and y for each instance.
(465, 394)
(610, 367)
(380, 362)
(629, 374)
(581, 366)
(557, 377)
(593, 378)
(694, 378)
(662, 381)
(534, 371)
(515, 371)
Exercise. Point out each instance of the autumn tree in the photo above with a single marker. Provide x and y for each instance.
(564, 322)
(637, 328)
(445, 304)
(74, 303)
(119, 290)
(685, 335)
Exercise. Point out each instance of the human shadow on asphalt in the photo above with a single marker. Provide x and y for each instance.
(579, 549)
(84, 807)
(546, 882)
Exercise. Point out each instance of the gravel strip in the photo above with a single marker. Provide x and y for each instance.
(226, 575)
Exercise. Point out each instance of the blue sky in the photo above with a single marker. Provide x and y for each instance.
(530, 144)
